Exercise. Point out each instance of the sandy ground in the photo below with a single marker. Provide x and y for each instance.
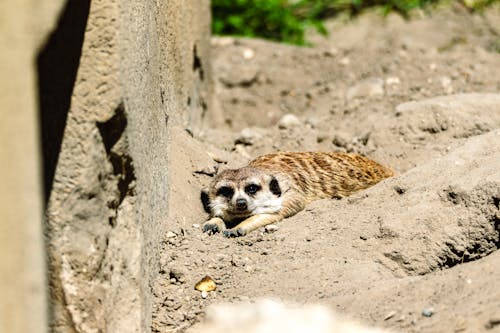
(420, 96)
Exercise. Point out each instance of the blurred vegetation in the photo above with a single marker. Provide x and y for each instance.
(286, 20)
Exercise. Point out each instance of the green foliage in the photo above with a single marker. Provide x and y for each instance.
(286, 20)
(273, 19)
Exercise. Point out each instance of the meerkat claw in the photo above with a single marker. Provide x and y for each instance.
(210, 228)
(234, 232)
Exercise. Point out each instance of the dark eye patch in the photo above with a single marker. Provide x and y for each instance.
(225, 191)
(274, 187)
(252, 188)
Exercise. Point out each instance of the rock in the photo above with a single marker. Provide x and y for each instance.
(248, 53)
(288, 121)
(345, 61)
(170, 234)
(206, 284)
(204, 294)
(446, 84)
(242, 151)
(390, 315)
(428, 312)
(392, 80)
(248, 136)
(243, 77)
(177, 274)
(493, 322)
(366, 88)
(340, 141)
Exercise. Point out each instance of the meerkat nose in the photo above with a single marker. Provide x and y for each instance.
(241, 204)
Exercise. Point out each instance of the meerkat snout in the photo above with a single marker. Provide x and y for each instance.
(241, 204)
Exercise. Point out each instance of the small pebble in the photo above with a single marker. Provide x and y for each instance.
(242, 151)
(288, 121)
(428, 312)
(248, 53)
(366, 88)
(196, 225)
(392, 80)
(390, 315)
(345, 61)
(204, 294)
(493, 322)
(206, 284)
(170, 234)
(248, 136)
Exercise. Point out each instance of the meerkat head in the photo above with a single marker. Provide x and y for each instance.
(239, 193)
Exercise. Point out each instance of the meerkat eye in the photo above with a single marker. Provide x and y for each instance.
(252, 188)
(225, 191)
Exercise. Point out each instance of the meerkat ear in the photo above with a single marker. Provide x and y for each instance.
(274, 187)
(205, 200)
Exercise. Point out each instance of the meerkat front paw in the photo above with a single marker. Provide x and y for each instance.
(210, 228)
(237, 232)
(213, 226)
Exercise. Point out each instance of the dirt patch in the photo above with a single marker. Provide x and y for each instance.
(419, 96)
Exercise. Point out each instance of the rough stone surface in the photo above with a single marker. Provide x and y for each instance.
(113, 77)
(23, 301)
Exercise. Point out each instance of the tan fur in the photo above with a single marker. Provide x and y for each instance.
(302, 178)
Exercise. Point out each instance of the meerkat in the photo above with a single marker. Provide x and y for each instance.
(276, 186)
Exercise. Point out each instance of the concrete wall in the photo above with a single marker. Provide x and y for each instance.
(110, 79)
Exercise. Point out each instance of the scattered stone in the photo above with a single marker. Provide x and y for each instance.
(493, 322)
(242, 151)
(217, 157)
(243, 77)
(428, 312)
(390, 315)
(270, 228)
(392, 80)
(366, 88)
(345, 61)
(208, 170)
(288, 121)
(446, 84)
(248, 136)
(331, 52)
(204, 294)
(196, 225)
(176, 275)
(399, 189)
(340, 141)
(206, 284)
(248, 53)
(170, 234)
